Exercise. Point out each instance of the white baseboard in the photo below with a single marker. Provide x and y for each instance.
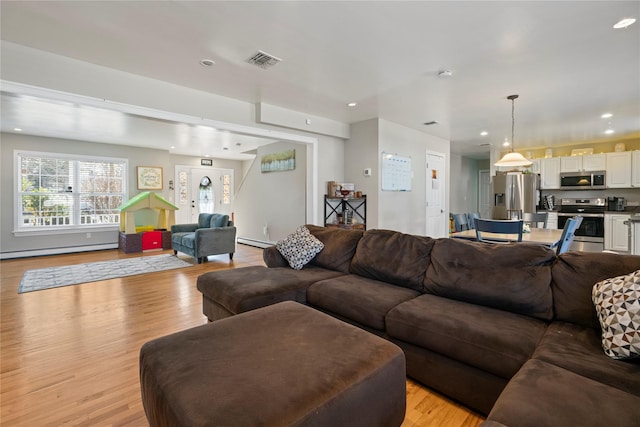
(254, 242)
(56, 251)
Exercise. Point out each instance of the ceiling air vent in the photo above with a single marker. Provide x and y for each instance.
(263, 60)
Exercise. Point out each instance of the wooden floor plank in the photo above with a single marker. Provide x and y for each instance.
(69, 356)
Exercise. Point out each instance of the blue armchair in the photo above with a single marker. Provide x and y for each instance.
(213, 234)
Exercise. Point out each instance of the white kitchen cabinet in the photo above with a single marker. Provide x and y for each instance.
(586, 163)
(619, 170)
(535, 166)
(550, 173)
(594, 162)
(616, 232)
(635, 168)
(571, 164)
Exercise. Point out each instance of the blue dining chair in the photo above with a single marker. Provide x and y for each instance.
(568, 233)
(498, 226)
(460, 222)
(471, 219)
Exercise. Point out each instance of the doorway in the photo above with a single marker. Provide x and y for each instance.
(202, 190)
(484, 193)
(436, 217)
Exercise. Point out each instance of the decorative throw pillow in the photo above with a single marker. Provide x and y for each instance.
(299, 248)
(617, 303)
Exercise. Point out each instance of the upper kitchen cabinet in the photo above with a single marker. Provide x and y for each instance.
(635, 168)
(550, 173)
(587, 162)
(619, 169)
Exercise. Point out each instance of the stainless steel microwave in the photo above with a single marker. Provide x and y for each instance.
(582, 180)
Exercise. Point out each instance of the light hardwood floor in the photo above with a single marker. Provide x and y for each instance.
(69, 356)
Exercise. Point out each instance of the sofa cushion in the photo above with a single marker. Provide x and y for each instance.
(545, 395)
(496, 341)
(617, 303)
(363, 300)
(513, 277)
(339, 247)
(204, 220)
(243, 289)
(219, 220)
(177, 237)
(188, 240)
(299, 247)
(577, 349)
(575, 273)
(393, 257)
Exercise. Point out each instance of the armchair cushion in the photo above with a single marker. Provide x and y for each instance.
(219, 220)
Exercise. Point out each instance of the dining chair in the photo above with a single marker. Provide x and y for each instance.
(471, 219)
(534, 219)
(568, 233)
(498, 226)
(460, 222)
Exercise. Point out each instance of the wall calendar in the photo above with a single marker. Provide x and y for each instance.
(396, 172)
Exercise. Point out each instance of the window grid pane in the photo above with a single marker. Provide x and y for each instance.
(53, 196)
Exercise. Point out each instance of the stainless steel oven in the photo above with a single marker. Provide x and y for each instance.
(589, 236)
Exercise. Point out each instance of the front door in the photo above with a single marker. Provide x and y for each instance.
(436, 220)
(202, 190)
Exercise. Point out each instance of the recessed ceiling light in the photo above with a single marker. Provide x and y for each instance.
(506, 143)
(173, 147)
(484, 133)
(445, 73)
(207, 62)
(17, 129)
(624, 23)
(606, 115)
(609, 131)
(352, 104)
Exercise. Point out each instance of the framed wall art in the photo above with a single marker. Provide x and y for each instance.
(278, 162)
(149, 177)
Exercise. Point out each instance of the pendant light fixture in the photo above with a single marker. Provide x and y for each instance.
(513, 159)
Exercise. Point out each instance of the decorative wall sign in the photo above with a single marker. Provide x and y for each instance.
(206, 162)
(149, 177)
(396, 172)
(276, 162)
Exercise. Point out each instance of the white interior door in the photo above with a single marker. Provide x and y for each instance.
(203, 190)
(484, 193)
(436, 220)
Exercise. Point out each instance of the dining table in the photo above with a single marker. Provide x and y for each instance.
(542, 236)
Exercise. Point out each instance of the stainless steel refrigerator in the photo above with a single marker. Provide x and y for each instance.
(515, 193)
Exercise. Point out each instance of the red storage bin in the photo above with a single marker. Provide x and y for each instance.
(151, 240)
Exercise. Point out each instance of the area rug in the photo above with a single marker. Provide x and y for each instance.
(55, 277)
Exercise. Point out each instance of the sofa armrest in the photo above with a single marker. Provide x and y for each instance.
(184, 228)
(273, 258)
(215, 239)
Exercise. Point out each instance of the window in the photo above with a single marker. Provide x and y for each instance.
(58, 192)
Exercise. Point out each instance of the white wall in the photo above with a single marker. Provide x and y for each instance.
(406, 211)
(361, 150)
(9, 142)
(274, 199)
(400, 211)
(23, 65)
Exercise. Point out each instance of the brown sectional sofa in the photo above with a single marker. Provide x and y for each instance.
(508, 330)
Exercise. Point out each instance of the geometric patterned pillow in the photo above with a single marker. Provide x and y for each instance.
(300, 247)
(617, 302)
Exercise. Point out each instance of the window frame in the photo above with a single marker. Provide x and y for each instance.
(19, 230)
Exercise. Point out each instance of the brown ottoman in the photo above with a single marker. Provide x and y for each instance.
(282, 365)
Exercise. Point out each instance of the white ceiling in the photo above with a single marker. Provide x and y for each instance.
(563, 58)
